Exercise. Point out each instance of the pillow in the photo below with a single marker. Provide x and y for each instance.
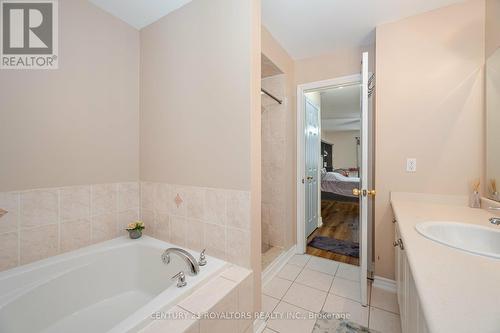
(323, 172)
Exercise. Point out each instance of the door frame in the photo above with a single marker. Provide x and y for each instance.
(301, 90)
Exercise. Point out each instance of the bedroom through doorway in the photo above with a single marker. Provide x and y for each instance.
(336, 236)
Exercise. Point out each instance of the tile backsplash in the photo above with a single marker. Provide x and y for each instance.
(215, 219)
(45, 222)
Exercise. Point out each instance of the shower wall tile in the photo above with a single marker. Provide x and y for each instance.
(162, 223)
(75, 203)
(215, 206)
(104, 227)
(45, 222)
(39, 207)
(274, 150)
(75, 234)
(238, 210)
(39, 243)
(199, 218)
(10, 203)
(104, 199)
(128, 196)
(9, 250)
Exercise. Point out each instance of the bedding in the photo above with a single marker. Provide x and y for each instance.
(334, 182)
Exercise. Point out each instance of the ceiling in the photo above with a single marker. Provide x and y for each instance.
(340, 108)
(139, 13)
(308, 28)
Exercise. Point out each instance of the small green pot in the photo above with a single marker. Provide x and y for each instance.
(134, 234)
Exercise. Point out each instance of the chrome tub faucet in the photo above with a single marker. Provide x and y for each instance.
(190, 261)
(494, 220)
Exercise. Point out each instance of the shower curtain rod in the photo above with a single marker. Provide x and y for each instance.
(270, 95)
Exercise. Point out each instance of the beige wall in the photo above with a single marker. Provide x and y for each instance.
(274, 52)
(430, 107)
(492, 26)
(200, 103)
(78, 124)
(341, 63)
(195, 96)
(344, 149)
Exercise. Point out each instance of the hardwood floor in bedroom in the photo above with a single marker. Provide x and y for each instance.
(340, 221)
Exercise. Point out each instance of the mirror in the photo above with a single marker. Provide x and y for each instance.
(493, 125)
(493, 100)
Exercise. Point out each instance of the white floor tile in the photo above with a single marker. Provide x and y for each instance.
(346, 288)
(315, 279)
(269, 303)
(305, 297)
(277, 287)
(384, 300)
(384, 321)
(289, 272)
(348, 272)
(299, 260)
(352, 310)
(323, 265)
(290, 325)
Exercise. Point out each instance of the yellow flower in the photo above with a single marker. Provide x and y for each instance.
(131, 225)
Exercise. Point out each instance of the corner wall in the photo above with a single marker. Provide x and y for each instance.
(430, 107)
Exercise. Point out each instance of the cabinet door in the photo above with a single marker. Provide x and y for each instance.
(413, 306)
(401, 277)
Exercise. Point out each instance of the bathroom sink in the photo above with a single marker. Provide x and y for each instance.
(470, 238)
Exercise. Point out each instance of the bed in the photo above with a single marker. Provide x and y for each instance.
(335, 186)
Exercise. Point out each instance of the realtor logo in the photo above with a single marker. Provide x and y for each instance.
(29, 34)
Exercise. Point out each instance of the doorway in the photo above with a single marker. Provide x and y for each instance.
(334, 173)
(336, 235)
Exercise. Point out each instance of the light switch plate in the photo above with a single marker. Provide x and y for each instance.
(411, 165)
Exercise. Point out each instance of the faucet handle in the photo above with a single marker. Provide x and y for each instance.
(493, 208)
(203, 259)
(181, 279)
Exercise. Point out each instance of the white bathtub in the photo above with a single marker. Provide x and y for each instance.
(111, 287)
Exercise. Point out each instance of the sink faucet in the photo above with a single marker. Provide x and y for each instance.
(190, 261)
(494, 220)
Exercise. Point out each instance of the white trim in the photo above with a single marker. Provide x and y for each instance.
(259, 325)
(383, 283)
(272, 270)
(301, 90)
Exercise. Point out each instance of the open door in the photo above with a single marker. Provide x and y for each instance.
(312, 148)
(364, 192)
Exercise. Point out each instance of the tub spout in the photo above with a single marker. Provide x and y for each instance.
(190, 261)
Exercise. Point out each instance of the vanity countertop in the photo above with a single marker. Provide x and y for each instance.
(458, 291)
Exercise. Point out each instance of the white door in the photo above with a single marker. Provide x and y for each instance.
(365, 193)
(312, 152)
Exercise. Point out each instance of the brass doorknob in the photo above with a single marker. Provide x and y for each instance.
(372, 193)
(356, 192)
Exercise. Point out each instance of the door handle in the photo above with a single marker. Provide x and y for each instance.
(357, 192)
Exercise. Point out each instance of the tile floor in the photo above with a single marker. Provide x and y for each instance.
(307, 285)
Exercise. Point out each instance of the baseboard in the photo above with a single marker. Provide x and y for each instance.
(383, 283)
(259, 325)
(277, 265)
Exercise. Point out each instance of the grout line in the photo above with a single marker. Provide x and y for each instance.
(19, 215)
(59, 221)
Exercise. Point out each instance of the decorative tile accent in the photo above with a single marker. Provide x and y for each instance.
(178, 200)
